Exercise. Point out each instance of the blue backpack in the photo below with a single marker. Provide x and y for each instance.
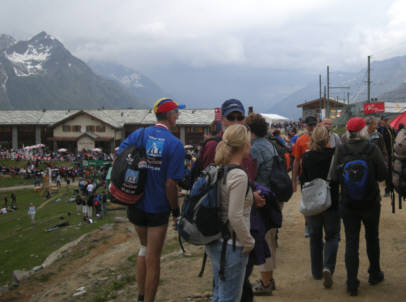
(358, 178)
(200, 221)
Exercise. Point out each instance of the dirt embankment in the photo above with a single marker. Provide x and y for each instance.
(102, 267)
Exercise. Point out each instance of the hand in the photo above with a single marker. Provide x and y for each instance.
(246, 250)
(259, 200)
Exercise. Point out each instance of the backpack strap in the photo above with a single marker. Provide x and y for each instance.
(203, 265)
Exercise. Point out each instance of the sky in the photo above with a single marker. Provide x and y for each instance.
(158, 36)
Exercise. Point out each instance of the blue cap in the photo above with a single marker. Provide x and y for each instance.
(232, 105)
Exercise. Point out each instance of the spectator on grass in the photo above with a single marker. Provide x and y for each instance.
(31, 213)
(13, 200)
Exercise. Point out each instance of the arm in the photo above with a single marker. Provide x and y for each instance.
(171, 191)
(238, 185)
(380, 164)
(295, 171)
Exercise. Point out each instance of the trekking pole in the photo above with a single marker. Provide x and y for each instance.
(392, 193)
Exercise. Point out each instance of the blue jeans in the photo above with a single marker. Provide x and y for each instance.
(230, 289)
(324, 255)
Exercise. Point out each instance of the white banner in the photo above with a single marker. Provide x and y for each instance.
(395, 107)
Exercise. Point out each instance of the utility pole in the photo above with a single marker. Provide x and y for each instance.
(348, 98)
(369, 79)
(324, 101)
(321, 107)
(328, 92)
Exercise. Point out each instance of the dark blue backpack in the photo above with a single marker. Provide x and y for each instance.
(358, 178)
(200, 221)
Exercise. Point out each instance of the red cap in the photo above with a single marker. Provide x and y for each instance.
(356, 124)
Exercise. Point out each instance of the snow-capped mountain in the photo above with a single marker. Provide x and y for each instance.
(41, 73)
(139, 84)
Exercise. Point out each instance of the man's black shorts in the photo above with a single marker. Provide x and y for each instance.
(141, 218)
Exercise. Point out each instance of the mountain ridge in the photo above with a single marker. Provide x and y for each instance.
(41, 73)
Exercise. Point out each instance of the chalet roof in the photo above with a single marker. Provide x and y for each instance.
(115, 117)
(316, 103)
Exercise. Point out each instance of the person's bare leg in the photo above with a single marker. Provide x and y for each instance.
(141, 268)
(156, 238)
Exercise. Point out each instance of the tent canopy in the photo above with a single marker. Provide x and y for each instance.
(400, 119)
(274, 118)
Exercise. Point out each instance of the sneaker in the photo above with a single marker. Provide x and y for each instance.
(259, 289)
(375, 279)
(328, 280)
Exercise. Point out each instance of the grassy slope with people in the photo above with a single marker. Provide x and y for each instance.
(23, 245)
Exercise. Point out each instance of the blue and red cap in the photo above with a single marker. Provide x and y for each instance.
(165, 105)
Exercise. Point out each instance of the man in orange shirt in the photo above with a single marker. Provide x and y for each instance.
(301, 146)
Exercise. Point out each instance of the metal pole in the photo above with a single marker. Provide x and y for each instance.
(328, 92)
(369, 79)
(324, 102)
(321, 107)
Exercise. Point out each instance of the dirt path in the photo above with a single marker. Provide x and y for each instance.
(104, 263)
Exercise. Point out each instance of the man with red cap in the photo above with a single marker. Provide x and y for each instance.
(358, 165)
(150, 214)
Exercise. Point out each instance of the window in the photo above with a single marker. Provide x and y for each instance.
(196, 130)
(66, 128)
(76, 128)
(100, 128)
(90, 128)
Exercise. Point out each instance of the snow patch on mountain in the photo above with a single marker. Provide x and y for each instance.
(131, 80)
(31, 61)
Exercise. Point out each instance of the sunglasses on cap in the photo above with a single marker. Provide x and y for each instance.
(233, 118)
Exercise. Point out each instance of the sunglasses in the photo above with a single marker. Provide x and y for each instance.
(233, 118)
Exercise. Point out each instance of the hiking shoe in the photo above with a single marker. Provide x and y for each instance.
(328, 280)
(352, 292)
(375, 279)
(273, 284)
(352, 289)
(259, 289)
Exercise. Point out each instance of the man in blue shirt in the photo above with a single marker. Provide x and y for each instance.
(150, 215)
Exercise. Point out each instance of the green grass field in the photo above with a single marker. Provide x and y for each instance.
(8, 181)
(23, 245)
(23, 163)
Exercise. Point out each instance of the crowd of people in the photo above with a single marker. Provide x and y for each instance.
(248, 204)
(248, 142)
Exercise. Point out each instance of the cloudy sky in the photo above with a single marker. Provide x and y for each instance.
(152, 35)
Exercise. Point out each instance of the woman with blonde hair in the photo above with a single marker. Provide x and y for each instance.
(316, 164)
(236, 199)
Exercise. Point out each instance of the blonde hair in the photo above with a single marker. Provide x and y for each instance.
(234, 138)
(320, 138)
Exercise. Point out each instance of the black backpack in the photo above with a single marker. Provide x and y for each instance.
(129, 174)
(279, 181)
(357, 177)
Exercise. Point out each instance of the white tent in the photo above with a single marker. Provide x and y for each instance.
(274, 118)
